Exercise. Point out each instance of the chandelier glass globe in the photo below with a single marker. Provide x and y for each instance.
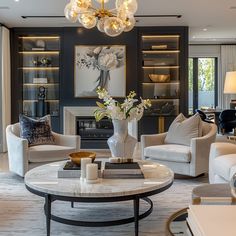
(130, 6)
(110, 21)
(100, 24)
(70, 13)
(81, 5)
(88, 20)
(102, 1)
(113, 26)
(129, 23)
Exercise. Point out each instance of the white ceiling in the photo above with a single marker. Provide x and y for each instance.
(214, 15)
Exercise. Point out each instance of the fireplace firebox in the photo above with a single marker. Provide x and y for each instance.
(94, 134)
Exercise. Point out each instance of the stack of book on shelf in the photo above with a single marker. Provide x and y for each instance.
(122, 170)
(212, 220)
(71, 170)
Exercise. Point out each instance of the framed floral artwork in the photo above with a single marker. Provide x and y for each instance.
(100, 66)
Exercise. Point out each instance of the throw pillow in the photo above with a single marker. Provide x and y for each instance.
(37, 132)
(182, 130)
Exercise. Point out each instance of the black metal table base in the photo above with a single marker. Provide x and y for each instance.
(50, 198)
(135, 218)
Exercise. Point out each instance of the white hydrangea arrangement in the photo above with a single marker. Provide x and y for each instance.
(130, 109)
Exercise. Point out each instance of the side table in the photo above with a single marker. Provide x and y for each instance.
(203, 194)
(231, 137)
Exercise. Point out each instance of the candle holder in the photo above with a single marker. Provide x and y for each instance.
(92, 173)
(84, 162)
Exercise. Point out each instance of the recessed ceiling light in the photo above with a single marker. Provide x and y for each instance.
(16, 0)
(204, 29)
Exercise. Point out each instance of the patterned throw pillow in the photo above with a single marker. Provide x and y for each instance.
(37, 132)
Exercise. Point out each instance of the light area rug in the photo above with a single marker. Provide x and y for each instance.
(21, 212)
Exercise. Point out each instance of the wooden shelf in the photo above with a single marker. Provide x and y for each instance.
(160, 51)
(40, 37)
(40, 68)
(50, 100)
(160, 67)
(40, 52)
(172, 82)
(38, 84)
(163, 99)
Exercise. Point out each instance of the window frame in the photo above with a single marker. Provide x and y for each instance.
(195, 81)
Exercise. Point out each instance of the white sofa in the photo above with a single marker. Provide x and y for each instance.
(22, 157)
(186, 160)
(222, 163)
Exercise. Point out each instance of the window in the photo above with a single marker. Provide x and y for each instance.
(202, 83)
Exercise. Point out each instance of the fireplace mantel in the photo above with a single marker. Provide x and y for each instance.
(70, 114)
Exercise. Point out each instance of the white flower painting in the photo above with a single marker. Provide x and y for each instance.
(100, 66)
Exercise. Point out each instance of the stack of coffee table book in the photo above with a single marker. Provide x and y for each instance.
(71, 170)
(212, 220)
(122, 170)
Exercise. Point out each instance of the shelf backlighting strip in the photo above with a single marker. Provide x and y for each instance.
(44, 84)
(160, 36)
(166, 99)
(161, 52)
(159, 83)
(37, 100)
(40, 68)
(39, 37)
(160, 67)
(41, 52)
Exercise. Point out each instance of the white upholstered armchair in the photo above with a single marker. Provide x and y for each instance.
(222, 164)
(190, 160)
(22, 157)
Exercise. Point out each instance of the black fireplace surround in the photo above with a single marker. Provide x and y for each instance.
(93, 134)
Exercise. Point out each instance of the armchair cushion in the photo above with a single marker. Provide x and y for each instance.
(225, 166)
(182, 130)
(44, 153)
(37, 132)
(169, 152)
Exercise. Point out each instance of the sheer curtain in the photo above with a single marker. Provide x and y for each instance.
(228, 63)
(5, 80)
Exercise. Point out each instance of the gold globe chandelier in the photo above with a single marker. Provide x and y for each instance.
(113, 22)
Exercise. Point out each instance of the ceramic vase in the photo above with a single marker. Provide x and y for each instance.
(121, 143)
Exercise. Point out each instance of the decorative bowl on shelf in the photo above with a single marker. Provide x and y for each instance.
(76, 157)
(159, 78)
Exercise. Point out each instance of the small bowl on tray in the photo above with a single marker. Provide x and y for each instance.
(76, 157)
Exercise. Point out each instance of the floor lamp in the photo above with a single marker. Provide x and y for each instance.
(230, 86)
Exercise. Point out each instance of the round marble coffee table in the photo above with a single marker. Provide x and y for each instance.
(43, 181)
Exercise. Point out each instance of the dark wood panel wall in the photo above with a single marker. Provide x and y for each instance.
(70, 37)
(81, 36)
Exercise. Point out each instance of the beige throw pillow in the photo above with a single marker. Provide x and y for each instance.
(183, 129)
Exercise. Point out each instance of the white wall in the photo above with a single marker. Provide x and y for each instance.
(204, 51)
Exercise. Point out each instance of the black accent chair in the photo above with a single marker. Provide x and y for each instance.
(203, 116)
(227, 121)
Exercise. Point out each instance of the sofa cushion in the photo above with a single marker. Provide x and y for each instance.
(37, 132)
(168, 152)
(225, 166)
(182, 130)
(44, 153)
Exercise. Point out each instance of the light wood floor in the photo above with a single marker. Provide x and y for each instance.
(3, 162)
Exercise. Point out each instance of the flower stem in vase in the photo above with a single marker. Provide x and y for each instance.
(103, 79)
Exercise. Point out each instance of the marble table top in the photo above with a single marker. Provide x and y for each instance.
(44, 179)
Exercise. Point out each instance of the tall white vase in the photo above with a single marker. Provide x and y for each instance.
(121, 143)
